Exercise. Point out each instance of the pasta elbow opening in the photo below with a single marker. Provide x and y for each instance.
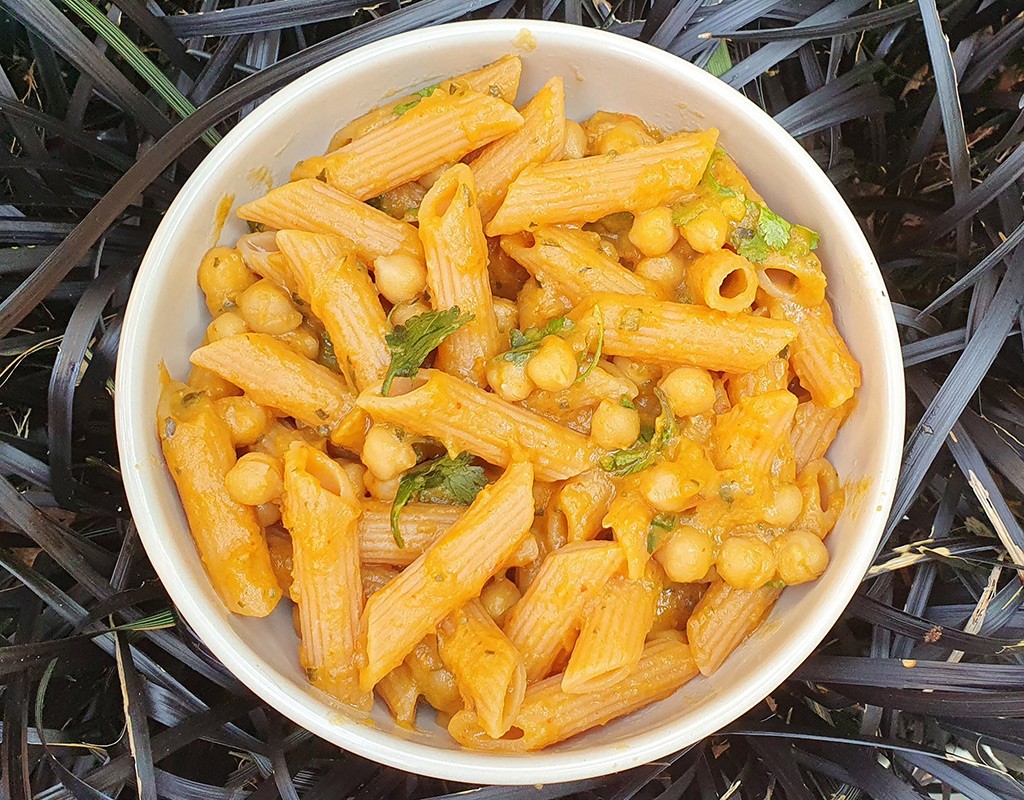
(783, 281)
(444, 199)
(734, 285)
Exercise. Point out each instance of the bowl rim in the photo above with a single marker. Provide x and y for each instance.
(381, 746)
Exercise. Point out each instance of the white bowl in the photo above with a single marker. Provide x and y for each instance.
(166, 317)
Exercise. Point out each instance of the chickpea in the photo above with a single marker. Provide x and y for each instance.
(801, 556)
(268, 309)
(381, 490)
(303, 341)
(745, 563)
(734, 208)
(246, 420)
(256, 478)
(785, 506)
(669, 486)
(628, 135)
(653, 231)
(575, 143)
(224, 325)
(686, 555)
(268, 514)
(222, 277)
(498, 597)
(509, 381)
(403, 312)
(400, 276)
(506, 313)
(689, 391)
(668, 270)
(613, 426)
(553, 367)
(708, 231)
(386, 454)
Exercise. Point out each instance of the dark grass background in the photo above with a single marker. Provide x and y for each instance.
(914, 108)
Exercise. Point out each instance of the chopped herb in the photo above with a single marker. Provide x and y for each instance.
(525, 343)
(321, 413)
(169, 427)
(777, 584)
(600, 346)
(410, 104)
(727, 491)
(709, 180)
(784, 352)
(412, 342)
(327, 356)
(190, 399)
(625, 402)
(771, 235)
(494, 90)
(660, 525)
(643, 453)
(298, 300)
(411, 214)
(259, 227)
(442, 480)
(322, 175)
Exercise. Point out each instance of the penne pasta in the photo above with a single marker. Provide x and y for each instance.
(611, 640)
(823, 498)
(451, 572)
(466, 418)
(196, 444)
(321, 510)
(420, 525)
(772, 377)
(752, 431)
(400, 693)
(722, 280)
(819, 356)
(661, 331)
(586, 189)
(568, 260)
(550, 609)
(498, 79)
(814, 429)
(539, 140)
(260, 253)
(584, 501)
(456, 254)
(313, 206)
(489, 670)
(722, 619)
(272, 374)
(341, 294)
(549, 714)
(439, 129)
(795, 278)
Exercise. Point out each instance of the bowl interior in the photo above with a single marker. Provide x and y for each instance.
(166, 318)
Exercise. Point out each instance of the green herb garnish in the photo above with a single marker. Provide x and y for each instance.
(442, 480)
(771, 234)
(412, 342)
(625, 402)
(643, 453)
(525, 343)
(660, 525)
(411, 104)
(598, 350)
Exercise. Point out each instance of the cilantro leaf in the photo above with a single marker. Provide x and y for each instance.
(598, 350)
(442, 480)
(625, 402)
(525, 343)
(408, 105)
(643, 453)
(660, 525)
(771, 234)
(708, 178)
(412, 342)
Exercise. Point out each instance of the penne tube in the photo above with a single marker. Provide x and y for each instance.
(568, 260)
(814, 429)
(611, 640)
(819, 356)
(450, 573)
(498, 79)
(421, 524)
(466, 418)
(313, 206)
(586, 189)
(549, 714)
(488, 668)
(583, 501)
(630, 517)
(321, 510)
(823, 498)
(456, 254)
(752, 431)
(722, 280)
(400, 694)
(341, 294)
(795, 278)
(675, 333)
(539, 140)
(197, 446)
(723, 618)
(772, 377)
(260, 253)
(279, 544)
(549, 611)
(440, 129)
(272, 374)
